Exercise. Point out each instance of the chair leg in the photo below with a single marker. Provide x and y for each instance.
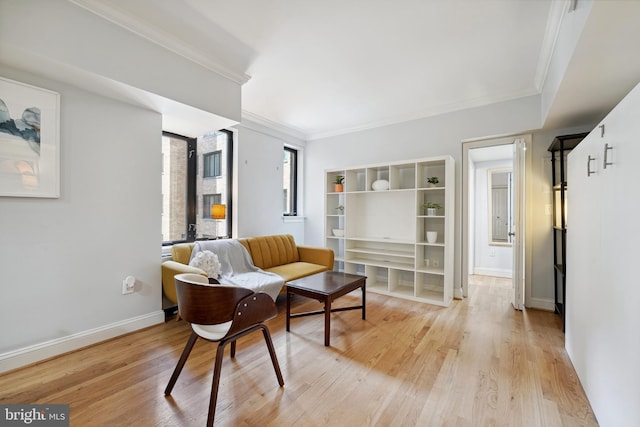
(272, 353)
(185, 354)
(233, 349)
(216, 383)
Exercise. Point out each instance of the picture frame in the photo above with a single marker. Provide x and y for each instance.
(29, 140)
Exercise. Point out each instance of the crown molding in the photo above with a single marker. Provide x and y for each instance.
(161, 38)
(557, 12)
(249, 118)
(431, 112)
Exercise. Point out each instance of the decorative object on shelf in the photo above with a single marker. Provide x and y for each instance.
(339, 184)
(340, 209)
(433, 181)
(338, 232)
(380, 185)
(432, 236)
(208, 262)
(431, 208)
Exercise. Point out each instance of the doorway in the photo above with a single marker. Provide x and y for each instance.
(494, 212)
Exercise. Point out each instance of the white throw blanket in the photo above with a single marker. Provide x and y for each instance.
(238, 268)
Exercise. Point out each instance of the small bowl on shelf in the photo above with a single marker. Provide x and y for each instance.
(338, 232)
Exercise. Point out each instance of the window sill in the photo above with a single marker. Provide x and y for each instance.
(292, 219)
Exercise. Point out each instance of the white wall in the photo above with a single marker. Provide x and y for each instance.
(63, 260)
(488, 259)
(258, 198)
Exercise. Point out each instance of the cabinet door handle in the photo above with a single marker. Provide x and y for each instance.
(601, 130)
(606, 150)
(589, 160)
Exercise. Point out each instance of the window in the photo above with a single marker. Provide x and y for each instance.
(290, 182)
(212, 164)
(187, 193)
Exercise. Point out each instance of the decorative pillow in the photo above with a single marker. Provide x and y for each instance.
(208, 262)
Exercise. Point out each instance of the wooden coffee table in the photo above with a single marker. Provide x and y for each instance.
(326, 287)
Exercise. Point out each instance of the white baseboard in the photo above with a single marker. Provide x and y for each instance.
(541, 304)
(38, 352)
(494, 272)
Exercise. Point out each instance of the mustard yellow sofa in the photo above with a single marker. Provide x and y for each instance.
(278, 254)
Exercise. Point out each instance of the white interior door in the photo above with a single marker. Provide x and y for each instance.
(519, 225)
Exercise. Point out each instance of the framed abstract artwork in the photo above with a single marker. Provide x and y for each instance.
(29, 140)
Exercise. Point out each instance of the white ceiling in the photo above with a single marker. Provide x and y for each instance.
(321, 68)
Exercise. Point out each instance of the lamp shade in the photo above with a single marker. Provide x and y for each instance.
(218, 211)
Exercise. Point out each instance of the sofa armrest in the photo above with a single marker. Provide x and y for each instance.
(316, 255)
(169, 271)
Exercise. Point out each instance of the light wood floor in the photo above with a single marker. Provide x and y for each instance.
(476, 363)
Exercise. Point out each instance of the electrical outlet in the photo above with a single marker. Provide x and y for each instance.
(128, 285)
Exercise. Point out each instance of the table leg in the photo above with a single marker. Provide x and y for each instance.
(288, 309)
(327, 321)
(364, 300)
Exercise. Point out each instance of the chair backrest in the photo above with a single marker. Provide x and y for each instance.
(205, 304)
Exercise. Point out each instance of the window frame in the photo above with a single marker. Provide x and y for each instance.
(293, 180)
(191, 190)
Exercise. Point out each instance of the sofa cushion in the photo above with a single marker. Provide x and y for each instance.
(296, 270)
(181, 252)
(271, 251)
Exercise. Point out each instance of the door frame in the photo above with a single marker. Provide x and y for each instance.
(466, 239)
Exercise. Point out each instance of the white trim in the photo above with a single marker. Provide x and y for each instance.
(426, 113)
(554, 22)
(541, 304)
(45, 350)
(494, 272)
(161, 38)
(249, 120)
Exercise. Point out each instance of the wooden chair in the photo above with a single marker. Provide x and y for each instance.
(222, 314)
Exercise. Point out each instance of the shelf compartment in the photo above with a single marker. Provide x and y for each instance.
(431, 195)
(430, 223)
(402, 282)
(430, 259)
(331, 180)
(337, 246)
(355, 268)
(428, 169)
(430, 286)
(402, 177)
(356, 180)
(377, 277)
(376, 173)
(380, 262)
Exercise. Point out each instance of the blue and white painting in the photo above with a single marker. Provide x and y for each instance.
(27, 127)
(29, 146)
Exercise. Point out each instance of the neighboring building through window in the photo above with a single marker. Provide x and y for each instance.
(290, 182)
(212, 164)
(196, 173)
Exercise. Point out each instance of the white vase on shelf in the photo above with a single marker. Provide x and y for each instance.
(380, 185)
(432, 236)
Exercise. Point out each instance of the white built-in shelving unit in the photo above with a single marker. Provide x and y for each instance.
(384, 230)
